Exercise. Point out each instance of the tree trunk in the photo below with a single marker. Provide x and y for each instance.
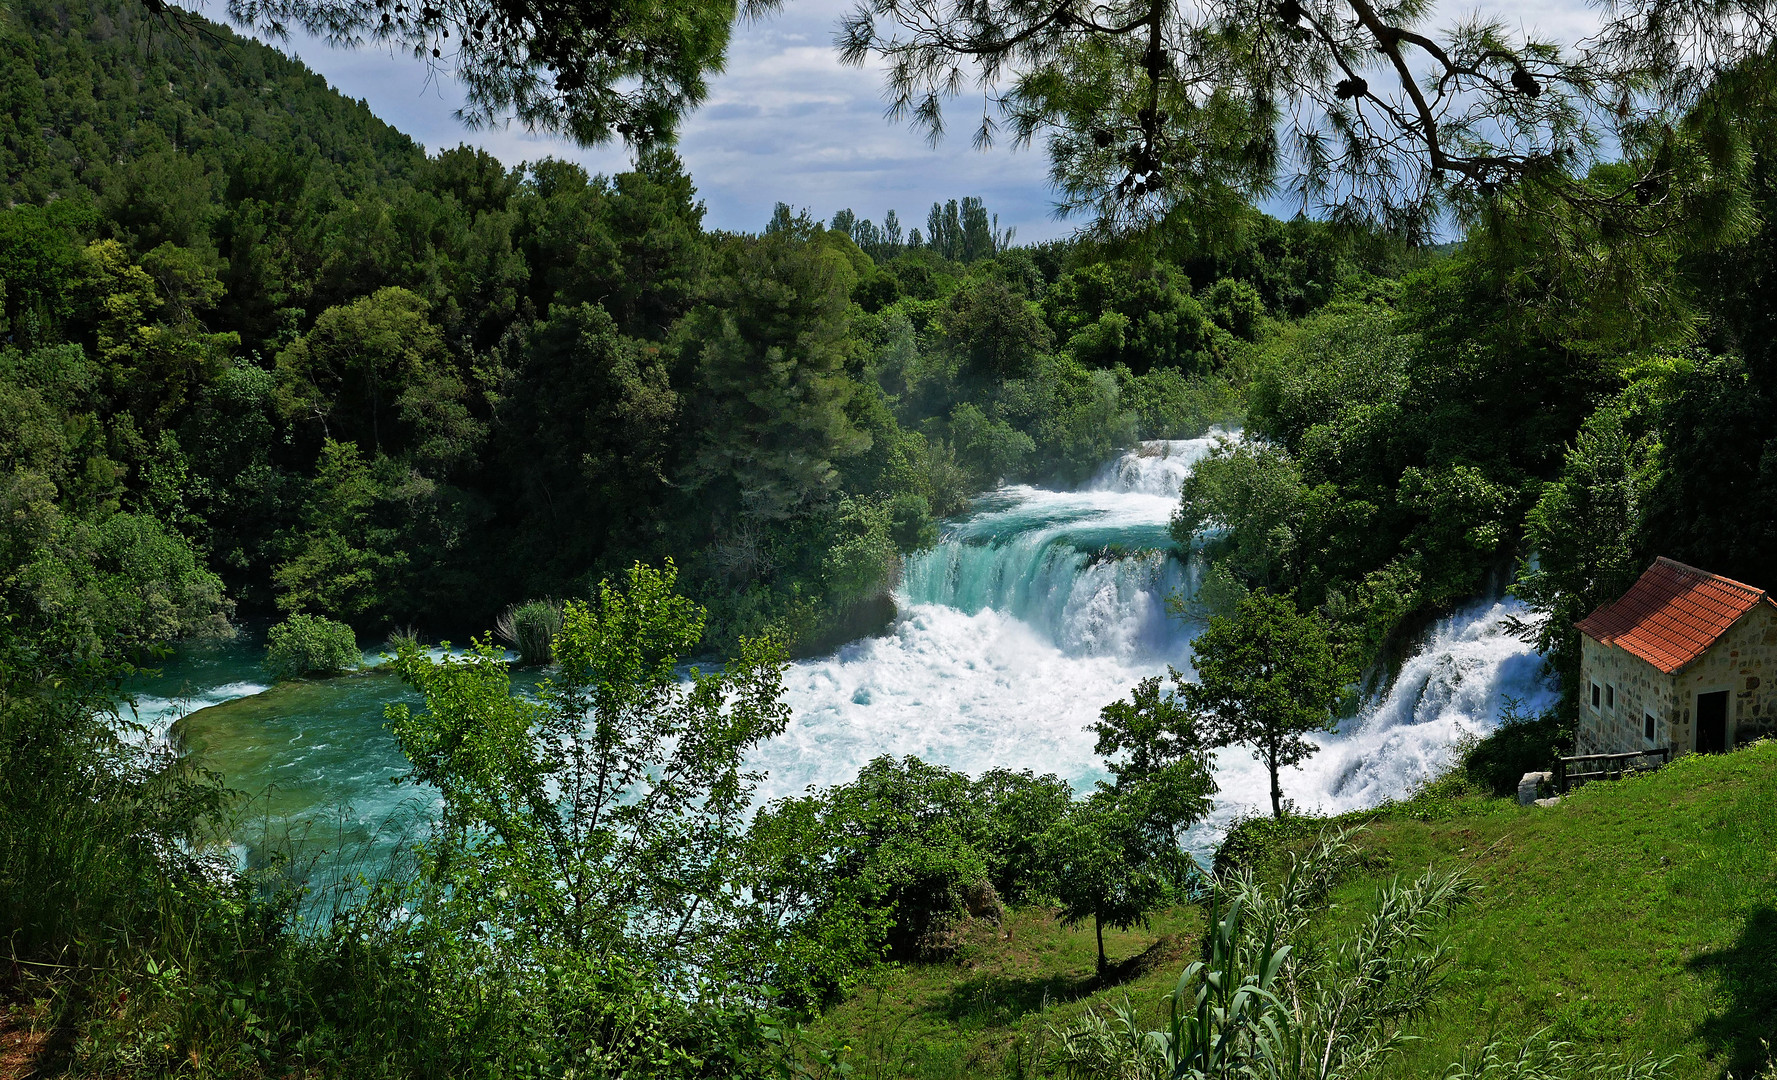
(1276, 791)
(1098, 928)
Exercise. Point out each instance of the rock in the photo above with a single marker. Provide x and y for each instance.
(1549, 801)
(1531, 786)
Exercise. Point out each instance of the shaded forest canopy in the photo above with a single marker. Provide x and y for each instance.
(324, 372)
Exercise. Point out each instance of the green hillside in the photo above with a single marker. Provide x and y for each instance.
(1634, 918)
(129, 106)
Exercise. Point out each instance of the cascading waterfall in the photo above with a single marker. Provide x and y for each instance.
(1029, 615)
(1042, 606)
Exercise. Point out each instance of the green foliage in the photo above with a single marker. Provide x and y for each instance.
(771, 362)
(1267, 677)
(1117, 856)
(1114, 858)
(306, 645)
(340, 563)
(374, 373)
(529, 629)
(889, 866)
(1245, 501)
(1518, 745)
(998, 332)
(1146, 319)
(1170, 405)
(1586, 529)
(587, 863)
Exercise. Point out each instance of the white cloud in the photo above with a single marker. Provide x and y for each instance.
(787, 122)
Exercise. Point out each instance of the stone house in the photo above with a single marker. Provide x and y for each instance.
(1685, 659)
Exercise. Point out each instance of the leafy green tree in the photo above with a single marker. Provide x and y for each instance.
(1114, 858)
(375, 372)
(305, 645)
(887, 865)
(1267, 678)
(770, 362)
(343, 561)
(994, 449)
(157, 357)
(1142, 318)
(998, 331)
(42, 269)
(861, 561)
(1717, 471)
(1152, 732)
(588, 422)
(1245, 501)
(594, 828)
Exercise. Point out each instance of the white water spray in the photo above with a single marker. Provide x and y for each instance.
(1043, 606)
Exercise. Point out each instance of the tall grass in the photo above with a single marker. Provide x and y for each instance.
(529, 629)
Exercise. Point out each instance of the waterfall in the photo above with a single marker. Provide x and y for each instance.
(1030, 615)
(1042, 606)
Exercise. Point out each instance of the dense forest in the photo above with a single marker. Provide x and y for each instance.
(264, 360)
(318, 371)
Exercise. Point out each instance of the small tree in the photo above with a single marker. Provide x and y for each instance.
(1268, 677)
(595, 828)
(1116, 856)
(310, 645)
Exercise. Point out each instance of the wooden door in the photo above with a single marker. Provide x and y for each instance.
(1712, 722)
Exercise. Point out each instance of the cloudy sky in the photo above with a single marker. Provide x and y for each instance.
(786, 122)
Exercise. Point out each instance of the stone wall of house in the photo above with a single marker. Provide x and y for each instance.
(1629, 688)
(1742, 661)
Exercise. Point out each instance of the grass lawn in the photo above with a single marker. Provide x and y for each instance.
(1638, 916)
(985, 1013)
(1634, 917)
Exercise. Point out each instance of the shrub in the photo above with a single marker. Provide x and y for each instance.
(1520, 744)
(304, 645)
(529, 630)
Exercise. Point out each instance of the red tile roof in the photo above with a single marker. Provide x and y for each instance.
(1672, 614)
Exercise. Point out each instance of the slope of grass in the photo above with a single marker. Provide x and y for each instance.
(986, 1012)
(1636, 916)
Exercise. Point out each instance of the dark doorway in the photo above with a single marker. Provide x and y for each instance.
(1712, 722)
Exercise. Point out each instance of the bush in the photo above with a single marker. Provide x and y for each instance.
(304, 645)
(529, 630)
(1520, 744)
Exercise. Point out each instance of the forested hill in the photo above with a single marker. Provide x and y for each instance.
(112, 99)
(259, 350)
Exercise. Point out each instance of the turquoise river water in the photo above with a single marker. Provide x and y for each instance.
(1033, 611)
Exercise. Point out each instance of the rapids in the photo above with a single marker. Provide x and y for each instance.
(1030, 614)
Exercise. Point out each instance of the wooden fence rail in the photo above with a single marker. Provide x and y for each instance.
(1610, 766)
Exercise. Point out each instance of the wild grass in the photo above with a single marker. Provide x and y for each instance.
(1635, 920)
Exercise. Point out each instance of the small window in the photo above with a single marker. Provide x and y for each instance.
(1647, 727)
(1610, 697)
(1594, 695)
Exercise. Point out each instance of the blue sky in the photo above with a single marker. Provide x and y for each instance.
(786, 122)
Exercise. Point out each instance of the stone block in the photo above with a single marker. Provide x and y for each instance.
(1531, 786)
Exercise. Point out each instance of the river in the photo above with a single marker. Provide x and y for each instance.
(1031, 613)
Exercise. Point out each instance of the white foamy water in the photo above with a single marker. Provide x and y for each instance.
(1028, 617)
(153, 716)
(1043, 606)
